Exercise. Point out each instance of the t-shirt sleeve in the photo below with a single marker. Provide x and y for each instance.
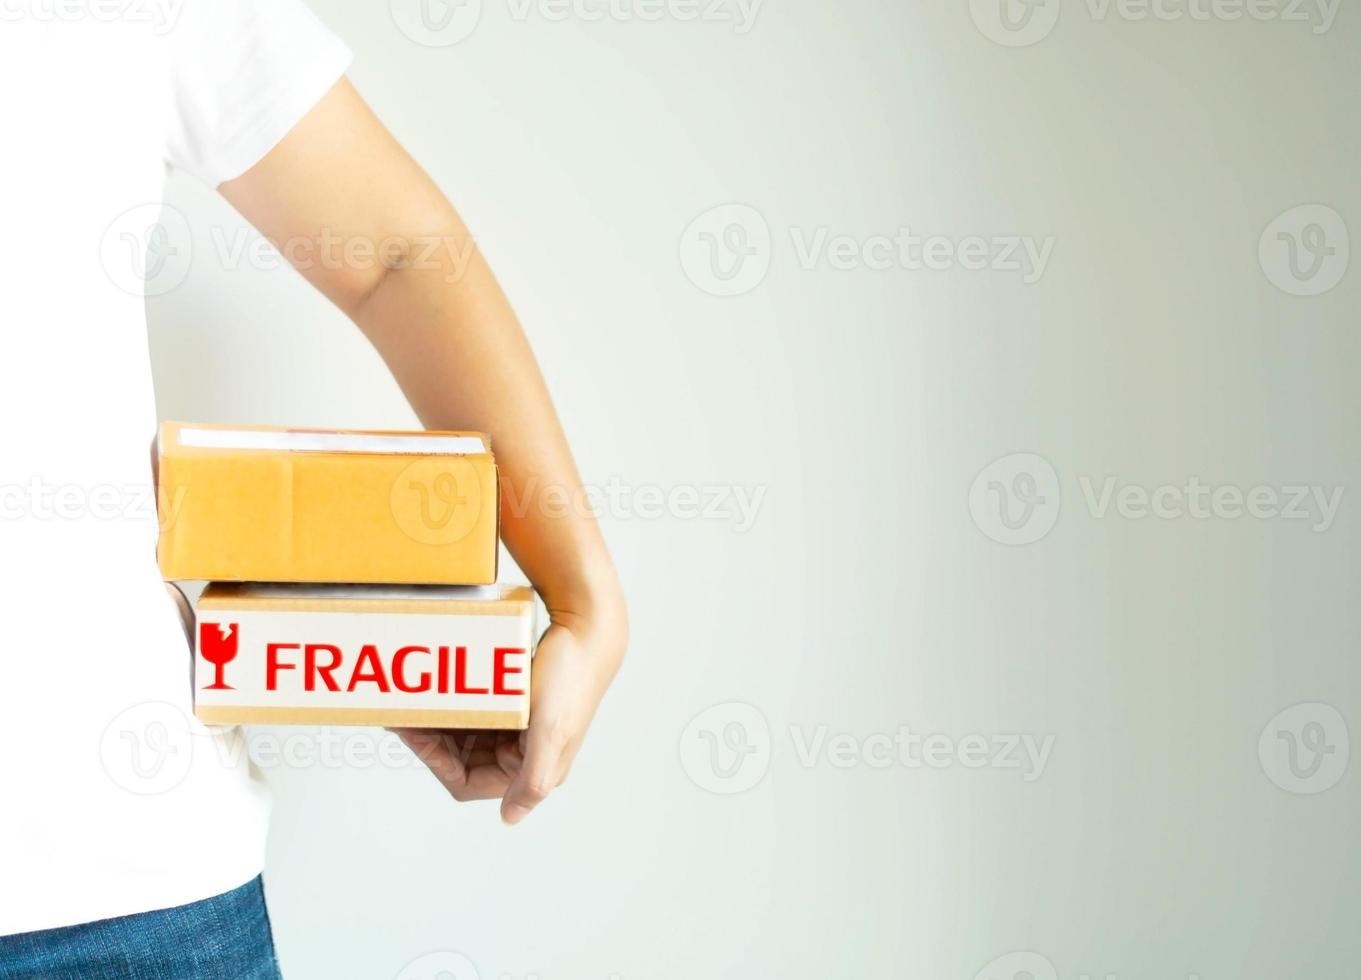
(243, 73)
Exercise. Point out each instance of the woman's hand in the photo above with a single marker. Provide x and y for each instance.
(573, 666)
(567, 682)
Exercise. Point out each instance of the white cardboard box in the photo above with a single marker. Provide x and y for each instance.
(408, 656)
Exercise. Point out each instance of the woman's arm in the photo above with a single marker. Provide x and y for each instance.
(371, 230)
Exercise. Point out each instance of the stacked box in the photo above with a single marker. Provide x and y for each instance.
(351, 577)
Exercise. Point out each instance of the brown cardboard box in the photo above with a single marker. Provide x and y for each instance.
(420, 657)
(256, 504)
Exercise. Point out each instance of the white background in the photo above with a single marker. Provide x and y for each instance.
(1165, 837)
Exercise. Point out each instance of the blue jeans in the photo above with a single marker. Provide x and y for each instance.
(222, 938)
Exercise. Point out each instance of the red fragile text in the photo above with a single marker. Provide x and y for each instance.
(411, 670)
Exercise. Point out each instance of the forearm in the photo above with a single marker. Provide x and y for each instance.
(425, 297)
(450, 338)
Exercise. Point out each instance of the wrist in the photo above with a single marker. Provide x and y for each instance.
(597, 617)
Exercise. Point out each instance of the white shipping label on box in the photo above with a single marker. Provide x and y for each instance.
(312, 666)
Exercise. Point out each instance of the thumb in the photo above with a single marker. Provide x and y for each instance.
(540, 774)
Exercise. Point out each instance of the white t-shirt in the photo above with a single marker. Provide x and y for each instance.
(113, 800)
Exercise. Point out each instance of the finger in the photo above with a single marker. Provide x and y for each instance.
(465, 763)
(429, 745)
(489, 782)
(545, 745)
(440, 754)
(509, 757)
(469, 748)
(478, 750)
